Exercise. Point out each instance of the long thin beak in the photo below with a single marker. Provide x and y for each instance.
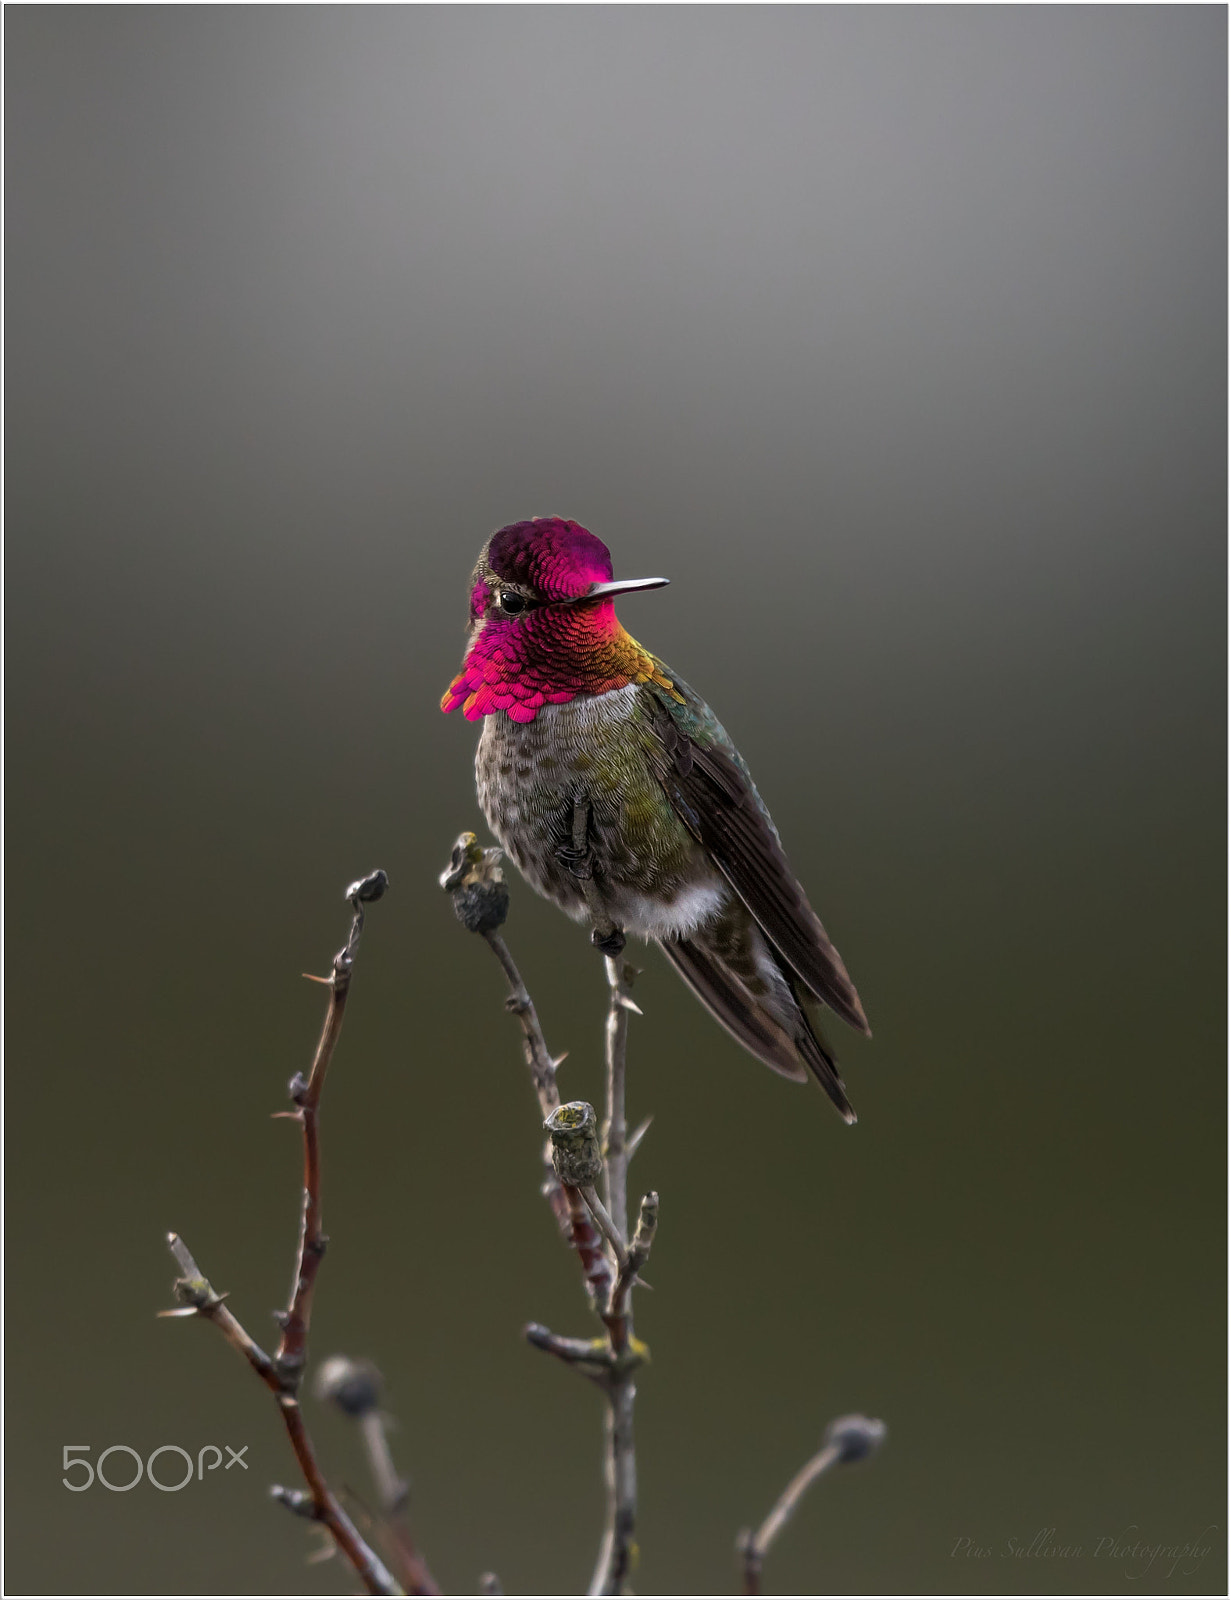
(602, 591)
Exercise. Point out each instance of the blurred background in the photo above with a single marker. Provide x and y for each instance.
(896, 338)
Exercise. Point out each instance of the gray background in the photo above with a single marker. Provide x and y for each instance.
(896, 338)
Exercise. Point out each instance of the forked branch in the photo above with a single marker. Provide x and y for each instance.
(596, 1226)
(282, 1373)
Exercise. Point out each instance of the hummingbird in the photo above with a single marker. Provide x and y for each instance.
(620, 797)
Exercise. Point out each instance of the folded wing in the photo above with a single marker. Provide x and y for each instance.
(714, 797)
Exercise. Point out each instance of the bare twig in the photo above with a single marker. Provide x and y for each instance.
(590, 1357)
(606, 1223)
(846, 1439)
(617, 1552)
(307, 1097)
(637, 1256)
(282, 1373)
(575, 1160)
(475, 882)
(198, 1297)
(615, 1129)
(355, 1388)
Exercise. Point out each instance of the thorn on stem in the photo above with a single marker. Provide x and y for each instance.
(298, 1501)
(637, 1136)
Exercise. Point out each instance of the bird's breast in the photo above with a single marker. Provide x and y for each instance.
(594, 750)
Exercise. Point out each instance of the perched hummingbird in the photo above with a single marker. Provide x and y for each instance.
(618, 794)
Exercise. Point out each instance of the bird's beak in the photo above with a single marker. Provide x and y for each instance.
(604, 591)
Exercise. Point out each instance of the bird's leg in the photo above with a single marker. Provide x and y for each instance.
(578, 857)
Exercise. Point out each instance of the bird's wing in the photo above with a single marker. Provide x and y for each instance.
(711, 791)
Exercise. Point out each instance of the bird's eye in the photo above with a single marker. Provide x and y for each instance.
(511, 603)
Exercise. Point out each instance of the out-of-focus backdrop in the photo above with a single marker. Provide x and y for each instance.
(896, 338)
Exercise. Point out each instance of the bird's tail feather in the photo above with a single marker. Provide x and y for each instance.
(773, 1026)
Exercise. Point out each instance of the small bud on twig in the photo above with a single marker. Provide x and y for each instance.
(846, 1439)
(353, 1386)
(474, 879)
(854, 1437)
(369, 888)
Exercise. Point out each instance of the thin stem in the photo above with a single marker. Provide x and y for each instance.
(606, 1222)
(292, 1349)
(355, 1387)
(282, 1373)
(312, 1239)
(613, 1571)
(755, 1549)
(474, 881)
(568, 1205)
(393, 1491)
(538, 1057)
(638, 1254)
(391, 1488)
(616, 1127)
(847, 1439)
(200, 1298)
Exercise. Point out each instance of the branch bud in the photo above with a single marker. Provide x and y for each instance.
(474, 879)
(575, 1152)
(369, 888)
(854, 1437)
(353, 1386)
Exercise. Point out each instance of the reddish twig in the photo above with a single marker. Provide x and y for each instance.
(307, 1097)
(282, 1373)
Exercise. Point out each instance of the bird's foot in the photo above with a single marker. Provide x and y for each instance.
(579, 860)
(609, 940)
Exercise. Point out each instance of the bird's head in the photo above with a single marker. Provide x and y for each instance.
(544, 562)
(543, 627)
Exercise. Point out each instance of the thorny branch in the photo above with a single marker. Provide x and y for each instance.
(618, 1550)
(307, 1097)
(596, 1228)
(282, 1373)
(199, 1298)
(480, 898)
(846, 1439)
